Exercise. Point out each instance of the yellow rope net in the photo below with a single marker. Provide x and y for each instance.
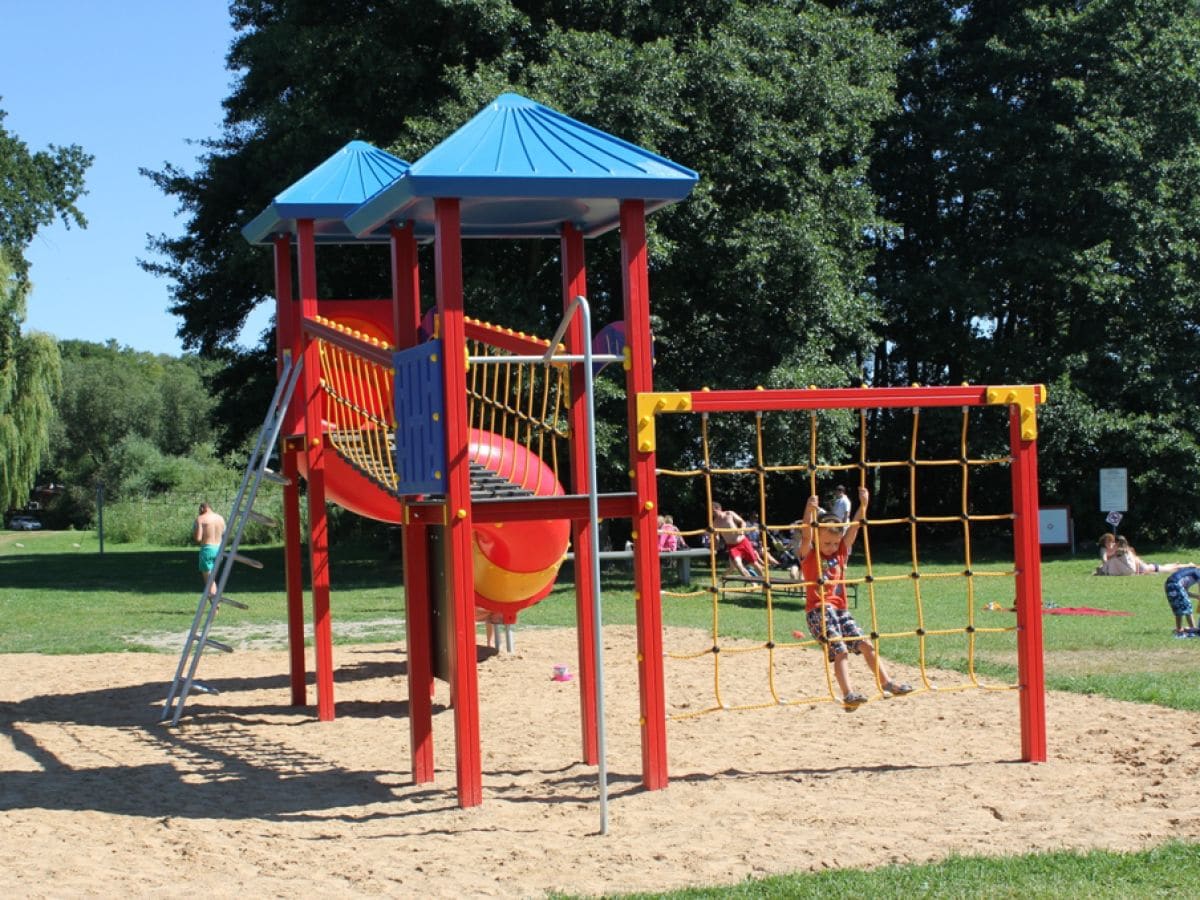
(359, 414)
(893, 600)
(521, 402)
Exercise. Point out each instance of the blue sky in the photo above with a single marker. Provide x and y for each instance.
(132, 82)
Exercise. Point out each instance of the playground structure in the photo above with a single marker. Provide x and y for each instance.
(480, 435)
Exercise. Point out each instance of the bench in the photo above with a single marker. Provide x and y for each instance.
(681, 558)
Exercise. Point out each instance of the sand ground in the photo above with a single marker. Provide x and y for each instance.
(250, 796)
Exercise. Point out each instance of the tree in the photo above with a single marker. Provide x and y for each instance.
(1043, 173)
(35, 188)
(759, 277)
(29, 379)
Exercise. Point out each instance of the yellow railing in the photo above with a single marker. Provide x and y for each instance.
(521, 402)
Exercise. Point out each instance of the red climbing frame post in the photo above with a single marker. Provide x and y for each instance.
(574, 275)
(406, 287)
(287, 340)
(647, 589)
(460, 575)
(314, 451)
(406, 320)
(1031, 674)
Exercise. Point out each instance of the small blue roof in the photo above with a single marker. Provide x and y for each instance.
(327, 194)
(521, 169)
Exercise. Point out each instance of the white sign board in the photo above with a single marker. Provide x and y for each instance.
(1114, 490)
(1054, 525)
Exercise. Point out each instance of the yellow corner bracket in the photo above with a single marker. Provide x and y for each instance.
(651, 404)
(1025, 398)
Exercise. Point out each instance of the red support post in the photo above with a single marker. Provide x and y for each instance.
(287, 340)
(574, 275)
(314, 450)
(460, 575)
(420, 666)
(406, 319)
(406, 287)
(1031, 675)
(647, 591)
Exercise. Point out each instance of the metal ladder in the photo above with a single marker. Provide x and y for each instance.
(211, 599)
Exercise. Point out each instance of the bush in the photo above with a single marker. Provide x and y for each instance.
(125, 522)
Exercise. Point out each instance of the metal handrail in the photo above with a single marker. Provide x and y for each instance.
(580, 305)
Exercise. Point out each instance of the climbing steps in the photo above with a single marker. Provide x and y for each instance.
(213, 596)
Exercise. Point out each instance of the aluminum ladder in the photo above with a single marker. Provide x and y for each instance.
(213, 595)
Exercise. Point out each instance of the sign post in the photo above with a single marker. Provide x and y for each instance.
(1114, 495)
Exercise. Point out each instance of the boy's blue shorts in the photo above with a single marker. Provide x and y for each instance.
(1178, 597)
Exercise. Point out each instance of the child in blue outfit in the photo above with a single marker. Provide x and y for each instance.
(1182, 585)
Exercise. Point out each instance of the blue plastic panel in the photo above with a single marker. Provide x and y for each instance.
(521, 169)
(329, 192)
(420, 400)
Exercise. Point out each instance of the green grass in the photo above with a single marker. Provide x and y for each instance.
(61, 596)
(1172, 870)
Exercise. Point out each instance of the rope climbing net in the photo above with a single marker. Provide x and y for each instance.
(912, 599)
(522, 402)
(356, 378)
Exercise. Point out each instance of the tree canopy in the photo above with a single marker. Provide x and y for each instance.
(1043, 172)
(773, 102)
(35, 189)
(141, 423)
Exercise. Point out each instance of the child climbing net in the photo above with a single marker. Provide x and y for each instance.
(911, 600)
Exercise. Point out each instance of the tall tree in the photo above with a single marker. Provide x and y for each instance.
(35, 189)
(760, 275)
(1043, 172)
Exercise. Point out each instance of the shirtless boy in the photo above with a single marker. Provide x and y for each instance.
(732, 530)
(210, 528)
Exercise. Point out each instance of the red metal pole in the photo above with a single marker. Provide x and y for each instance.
(1031, 675)
(574, 274)
(647, 593)
(460, 577)
(420, 671)
(406, 317)
(314, 450)
(287, 338)
(406, 287)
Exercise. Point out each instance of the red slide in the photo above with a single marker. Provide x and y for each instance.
(516, 563)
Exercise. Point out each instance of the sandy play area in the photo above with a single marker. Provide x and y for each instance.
(248, 796)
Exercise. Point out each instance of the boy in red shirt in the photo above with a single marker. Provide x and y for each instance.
(829, 621)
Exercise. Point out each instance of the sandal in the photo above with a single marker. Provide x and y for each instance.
(897, 689)
(853, 701)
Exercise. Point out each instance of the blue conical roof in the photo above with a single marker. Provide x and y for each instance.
(328, 193)
(521, 169)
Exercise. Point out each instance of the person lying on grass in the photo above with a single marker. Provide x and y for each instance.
(824, 548)
(1121, 559)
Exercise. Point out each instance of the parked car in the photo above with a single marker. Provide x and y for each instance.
(24, 523)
